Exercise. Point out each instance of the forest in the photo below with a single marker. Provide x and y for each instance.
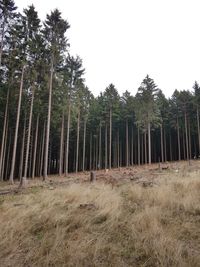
(51, 123)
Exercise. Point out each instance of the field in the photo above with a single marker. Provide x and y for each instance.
(137, 216)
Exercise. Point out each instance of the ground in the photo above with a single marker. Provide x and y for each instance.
(137, 216)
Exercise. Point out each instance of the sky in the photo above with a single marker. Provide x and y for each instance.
(121, 41)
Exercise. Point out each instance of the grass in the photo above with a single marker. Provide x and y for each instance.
(100, 225)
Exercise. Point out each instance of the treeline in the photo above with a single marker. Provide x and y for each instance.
(52, 124)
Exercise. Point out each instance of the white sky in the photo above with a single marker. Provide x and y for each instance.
(120, 41)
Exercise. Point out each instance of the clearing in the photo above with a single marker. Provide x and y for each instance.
(137, 216)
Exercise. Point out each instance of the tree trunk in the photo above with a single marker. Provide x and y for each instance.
(132, 147)
(198, 129)
(149, 141)
(90, 151)
(161, 143)
(42, 149)
(46, 154)
(189, 141)
(118, 155)
(99, 164)
(8, 157)
(110, 150)
(16, 128)
(106, 146)
(3, 134)
(61, 146)
(127, 143)
(165, 145)
(67, 142)
(22, 151)
(4, 151)
(170, 146)
(28, 137)
(138, 146)
(145, 147)
(35, 147)
(77, 140)
(178, 136)
(2, 38)
(84, 138)
(186, 137)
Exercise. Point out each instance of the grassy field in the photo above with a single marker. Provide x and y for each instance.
(128, 217)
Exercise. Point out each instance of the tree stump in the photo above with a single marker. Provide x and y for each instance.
(92, 176)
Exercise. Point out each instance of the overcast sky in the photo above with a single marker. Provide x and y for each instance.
(120, 41)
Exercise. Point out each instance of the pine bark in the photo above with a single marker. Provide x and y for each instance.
(127, 145)
(99, 164)
(35, 147)
(11, 179)
(29, 136)
(61, 146)
(198, 129)
(84, 139)
(3, 134)
(138, 145)
(110, 150)
(67, 141)
(106, 146)
(161, 143)
(178, 137)
(149, 141)
(77, 140)
(46, 155)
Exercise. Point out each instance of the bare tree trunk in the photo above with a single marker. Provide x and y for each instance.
(67, 142)
(178, 136)
(77, 140)
(127, 144)
(42, 151)
(145, 147)
(161, 143)
(17, 128)
(84, 138)
(1, 44)
(138, 146)
(170, 146)
(3, 134)
(46, 154)
(132, 147)
(61, 146)
(110, 150)
(35, 147)
(28, 138)
(96, 165)
(149, 141)
(4, 151)
(142, 148)
(186, 137)
(165, 145)
(99, 164)
(106, 146)
(198, 129)
(22, 151)
(90, 151)
(118, 155)
(189, 135)
(184, 153)
(8, 158)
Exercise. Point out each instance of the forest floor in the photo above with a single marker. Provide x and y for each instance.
(136, 216)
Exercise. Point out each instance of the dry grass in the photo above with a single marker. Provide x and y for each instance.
(94, 225)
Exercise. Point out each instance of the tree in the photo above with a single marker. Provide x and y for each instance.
(54, 34)
(7, 15)
(148, 112)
